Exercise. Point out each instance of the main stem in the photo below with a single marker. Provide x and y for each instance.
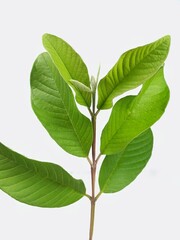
(93, 171)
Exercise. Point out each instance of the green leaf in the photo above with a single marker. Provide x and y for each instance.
(54, 105)
(133, 115)
(119, 170)
(37, 183)
(69, 64)
(132, 69)
(80, 86)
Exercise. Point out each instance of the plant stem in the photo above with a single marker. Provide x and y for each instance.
(93, 171)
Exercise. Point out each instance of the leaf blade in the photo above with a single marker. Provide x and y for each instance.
(54, 105)
(119, 170)
(132, 69)
(69, 64)
(132, 115)
(37, 183)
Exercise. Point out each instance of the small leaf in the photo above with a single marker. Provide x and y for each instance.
(133, 115)
(54, 105)
(37, 183)
(118, 171)
(132, 69)
(93, 84)
(80, 86)
(69, 64)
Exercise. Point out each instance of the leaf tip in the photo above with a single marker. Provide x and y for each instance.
(45, 38)
(168, 40)
(167, 37)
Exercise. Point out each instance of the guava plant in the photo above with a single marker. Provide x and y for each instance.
(126, 141)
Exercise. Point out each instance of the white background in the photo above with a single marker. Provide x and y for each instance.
(100, 31)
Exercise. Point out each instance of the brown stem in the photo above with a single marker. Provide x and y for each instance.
(93, 172)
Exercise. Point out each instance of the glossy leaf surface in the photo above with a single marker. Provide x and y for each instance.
(132, 69)
(119, 170)
(54, 105)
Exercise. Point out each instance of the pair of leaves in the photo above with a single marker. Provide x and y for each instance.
(48, 185)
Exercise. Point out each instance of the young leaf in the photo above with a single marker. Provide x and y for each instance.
(36, 183)
(132, 69)
(54, 105)
(80, 86)
(118, 171)
(133, 115)
(69, 64)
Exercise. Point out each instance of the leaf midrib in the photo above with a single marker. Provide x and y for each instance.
(108, 179)
(120, 126)
(73, 127)
(114, 169)
(67, 71)
(39, 173)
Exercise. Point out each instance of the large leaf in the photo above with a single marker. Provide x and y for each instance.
(36, 183)
(133, 115)
(132, 69)
(54, 105)
(69, 64)
(119, 170)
